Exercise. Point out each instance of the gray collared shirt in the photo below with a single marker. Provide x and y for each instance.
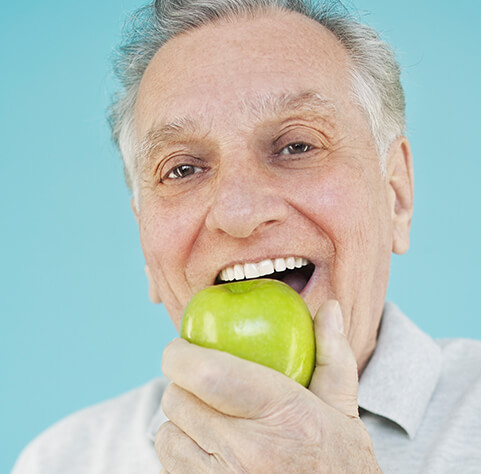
(420, 400)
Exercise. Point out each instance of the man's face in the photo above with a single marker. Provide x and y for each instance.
(255, 150)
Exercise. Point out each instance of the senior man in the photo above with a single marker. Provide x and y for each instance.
(260, 131)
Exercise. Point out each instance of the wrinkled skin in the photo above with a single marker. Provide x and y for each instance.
(219, 423)
(231, 188)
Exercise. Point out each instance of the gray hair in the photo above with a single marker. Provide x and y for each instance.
(375, 74)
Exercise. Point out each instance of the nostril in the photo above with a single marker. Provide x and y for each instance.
(271, 222)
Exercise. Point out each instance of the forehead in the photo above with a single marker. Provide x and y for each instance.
(218, 70)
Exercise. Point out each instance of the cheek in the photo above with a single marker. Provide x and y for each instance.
(167, 235)
(166, 241)
(338, 203)
(343, 204)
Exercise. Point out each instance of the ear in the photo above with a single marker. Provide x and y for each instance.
(134, 209)
(401, 190)
(153, 293)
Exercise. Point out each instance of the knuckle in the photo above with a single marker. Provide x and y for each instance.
(168, 398)
(210, 375)
(167, 354)
(301, 418)
(165, 446)
(162, 437)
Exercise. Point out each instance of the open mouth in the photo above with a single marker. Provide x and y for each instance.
(294, 271)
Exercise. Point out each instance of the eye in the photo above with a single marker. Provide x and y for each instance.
(182, 171)
(295, 149)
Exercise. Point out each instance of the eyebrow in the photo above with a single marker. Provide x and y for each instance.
(278, 105)
(262, 106)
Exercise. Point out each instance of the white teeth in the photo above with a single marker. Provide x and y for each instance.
(266, 267)
(239, 272)
(230, 274)
(251, 270)
(280, 264)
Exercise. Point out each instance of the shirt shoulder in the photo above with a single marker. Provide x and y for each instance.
(460, 348)
(461, 363)
(452, 420)
(100, 438)
(421, 399)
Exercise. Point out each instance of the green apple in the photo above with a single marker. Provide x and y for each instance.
(264, 321)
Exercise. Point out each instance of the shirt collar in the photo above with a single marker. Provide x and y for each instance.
(403, 371)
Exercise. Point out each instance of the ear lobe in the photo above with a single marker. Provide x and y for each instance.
(134, 209)
(153, 293)
(401, 183)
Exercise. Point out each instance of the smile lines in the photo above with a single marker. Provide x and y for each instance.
(266, 267)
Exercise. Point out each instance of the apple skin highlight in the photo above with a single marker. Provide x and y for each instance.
(264, 321)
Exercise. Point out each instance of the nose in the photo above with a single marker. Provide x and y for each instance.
(244, 205)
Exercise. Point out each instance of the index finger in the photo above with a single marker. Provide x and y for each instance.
(231, 385)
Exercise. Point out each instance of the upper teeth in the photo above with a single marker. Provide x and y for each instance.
(266, 267)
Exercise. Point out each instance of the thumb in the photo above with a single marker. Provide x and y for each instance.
(335, 378)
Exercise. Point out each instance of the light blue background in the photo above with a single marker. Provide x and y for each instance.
(76, 323)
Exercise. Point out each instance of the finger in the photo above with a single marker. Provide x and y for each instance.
(178, 453)
(220, 436)
(231, 385)
(203, 427)
(335, 378)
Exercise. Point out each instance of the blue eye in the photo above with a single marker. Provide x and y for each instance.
(183, 171)
(295, 149)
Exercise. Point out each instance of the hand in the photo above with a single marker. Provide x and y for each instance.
(231, 415)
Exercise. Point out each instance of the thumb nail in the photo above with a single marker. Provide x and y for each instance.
(336, 308)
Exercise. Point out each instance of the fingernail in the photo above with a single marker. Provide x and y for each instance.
(339, 319)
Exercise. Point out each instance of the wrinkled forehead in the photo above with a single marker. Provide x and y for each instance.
(221, 70)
